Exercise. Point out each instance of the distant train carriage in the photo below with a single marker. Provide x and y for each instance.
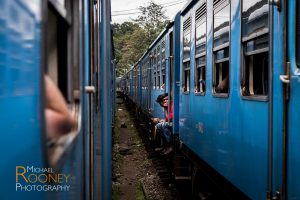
(60, 39)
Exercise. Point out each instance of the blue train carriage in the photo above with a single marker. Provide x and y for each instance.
(163, 62)
(239, 88)
(56, 38)
(145, 82)
(156, 69)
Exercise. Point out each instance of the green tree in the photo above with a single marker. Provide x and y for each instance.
(152, 20)
(131, 39)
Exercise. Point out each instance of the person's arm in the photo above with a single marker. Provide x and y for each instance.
(223, 85)
(58, 117)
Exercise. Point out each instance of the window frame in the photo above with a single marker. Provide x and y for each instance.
(244, 54)
(187, 60)
(158, 66)
(200, 55)
(154, 68)
(214, 52)
(163, 63)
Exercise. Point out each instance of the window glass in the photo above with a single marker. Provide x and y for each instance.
(254, 18)
(201, 38)
(163, 61)
(186, 45)
(186, 39)
(158, 57)
(158, 80)
(154, 59)
(186, 55)
(62, 2)
(221, 22)
(261, 43)
(163, 50)
(154, 80)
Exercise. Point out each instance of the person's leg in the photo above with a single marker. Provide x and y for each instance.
(159, 133)
(167, 135)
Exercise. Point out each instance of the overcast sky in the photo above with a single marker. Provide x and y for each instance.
(126, 10)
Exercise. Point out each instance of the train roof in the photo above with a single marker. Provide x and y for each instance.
(188, 5)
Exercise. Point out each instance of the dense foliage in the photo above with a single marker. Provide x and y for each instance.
(131, 39)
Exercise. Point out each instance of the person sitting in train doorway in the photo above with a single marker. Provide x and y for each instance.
(58, 118)
(163, 124)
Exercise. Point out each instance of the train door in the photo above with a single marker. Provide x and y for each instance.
(285, 104)
(170, 70)
(87, 48)
(151, 81)
(148, 81)
(94, 115)
(291, 82)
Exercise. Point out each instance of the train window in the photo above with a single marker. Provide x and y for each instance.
(186, 77)
(163, 62)
(158, 67)
(154, 81)
(200, 50)
(163, 73)
(221, 71)
(186, 55)
(200, 75)
(298, 33)
(63, 64)
(57, 51)
(154, 69)
(255, 40)
(221, 47)
(255, 20)
(154, 57)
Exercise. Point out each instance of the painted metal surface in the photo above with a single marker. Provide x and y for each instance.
(278, 68)
(176, 73)
(21, 104)
(231, 133)
(293, 176)
(105, 101)
(85, 103)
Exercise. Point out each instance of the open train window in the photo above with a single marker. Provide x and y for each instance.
(221, 48)
(186, 56)
(63, 65)
(57, 34)
(200, 76)
(298, 33)
(255, 40)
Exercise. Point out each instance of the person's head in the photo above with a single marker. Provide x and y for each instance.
(161, 98)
